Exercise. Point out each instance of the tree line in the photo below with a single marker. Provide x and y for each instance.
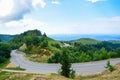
(85, 53)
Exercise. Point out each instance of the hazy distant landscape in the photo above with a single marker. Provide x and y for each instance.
(67, 37)
(102, 37)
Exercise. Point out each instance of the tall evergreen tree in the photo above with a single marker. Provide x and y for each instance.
(66, 65)
(44, 34)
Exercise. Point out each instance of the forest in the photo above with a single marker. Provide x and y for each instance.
(79, 52)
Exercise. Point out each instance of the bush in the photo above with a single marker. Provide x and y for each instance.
(2, 59)
(72, 74)
(109, 66)
(56, 58)
(5, 49)
(44, 44)
(56, 45)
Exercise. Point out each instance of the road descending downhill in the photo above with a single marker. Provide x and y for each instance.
(88, 68)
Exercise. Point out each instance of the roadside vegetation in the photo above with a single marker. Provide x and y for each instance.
(15, 68)
(14, 76)
(5, 50)
(109, 66)
(105, 75)
(85, 53)
(66, 65)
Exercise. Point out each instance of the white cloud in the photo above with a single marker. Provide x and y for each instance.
(55, 2)
(4, 10)
(16, 9)
(93, 1)
(16, 27)
(12, 12)
(36, 3)
(99, 26)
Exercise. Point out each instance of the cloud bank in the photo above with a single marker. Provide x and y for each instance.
(16, 9)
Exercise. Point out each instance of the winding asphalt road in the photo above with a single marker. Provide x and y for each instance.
(88, 68)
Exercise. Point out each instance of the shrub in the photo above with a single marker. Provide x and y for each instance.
(109, 66)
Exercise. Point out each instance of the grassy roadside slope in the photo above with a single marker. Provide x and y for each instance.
(106, 75)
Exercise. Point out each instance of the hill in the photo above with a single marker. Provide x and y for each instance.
(6, 38)
(86, 41)
(38, 46)
(114, 41)
(101, 37)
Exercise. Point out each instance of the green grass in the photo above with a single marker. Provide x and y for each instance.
(17, 68)
(24, 76)
(50, 42)
(14, 76)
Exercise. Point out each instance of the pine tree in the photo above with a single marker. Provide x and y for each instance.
(44, 34)
(66, 65)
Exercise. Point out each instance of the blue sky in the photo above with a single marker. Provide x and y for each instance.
(60, 16)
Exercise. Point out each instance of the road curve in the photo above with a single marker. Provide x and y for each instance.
(88, 68)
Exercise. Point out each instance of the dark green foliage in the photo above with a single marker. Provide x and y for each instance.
(93, 52)
(109, 66)
(5, 49)
(84, 57)
(103, 54)
(72, 74)
(44, 44)
(118, 52)
(66, 65)
(96, 56)
(2, 59)
(56, 58)
(32, 33)
(29, 36)
(84, 53)
(109, 46)
(44, 34)
(56, 45)
(35, 40)
(0, 40)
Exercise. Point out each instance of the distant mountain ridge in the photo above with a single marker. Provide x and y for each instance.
(6, 38)
(86, 41)
(67, 37)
